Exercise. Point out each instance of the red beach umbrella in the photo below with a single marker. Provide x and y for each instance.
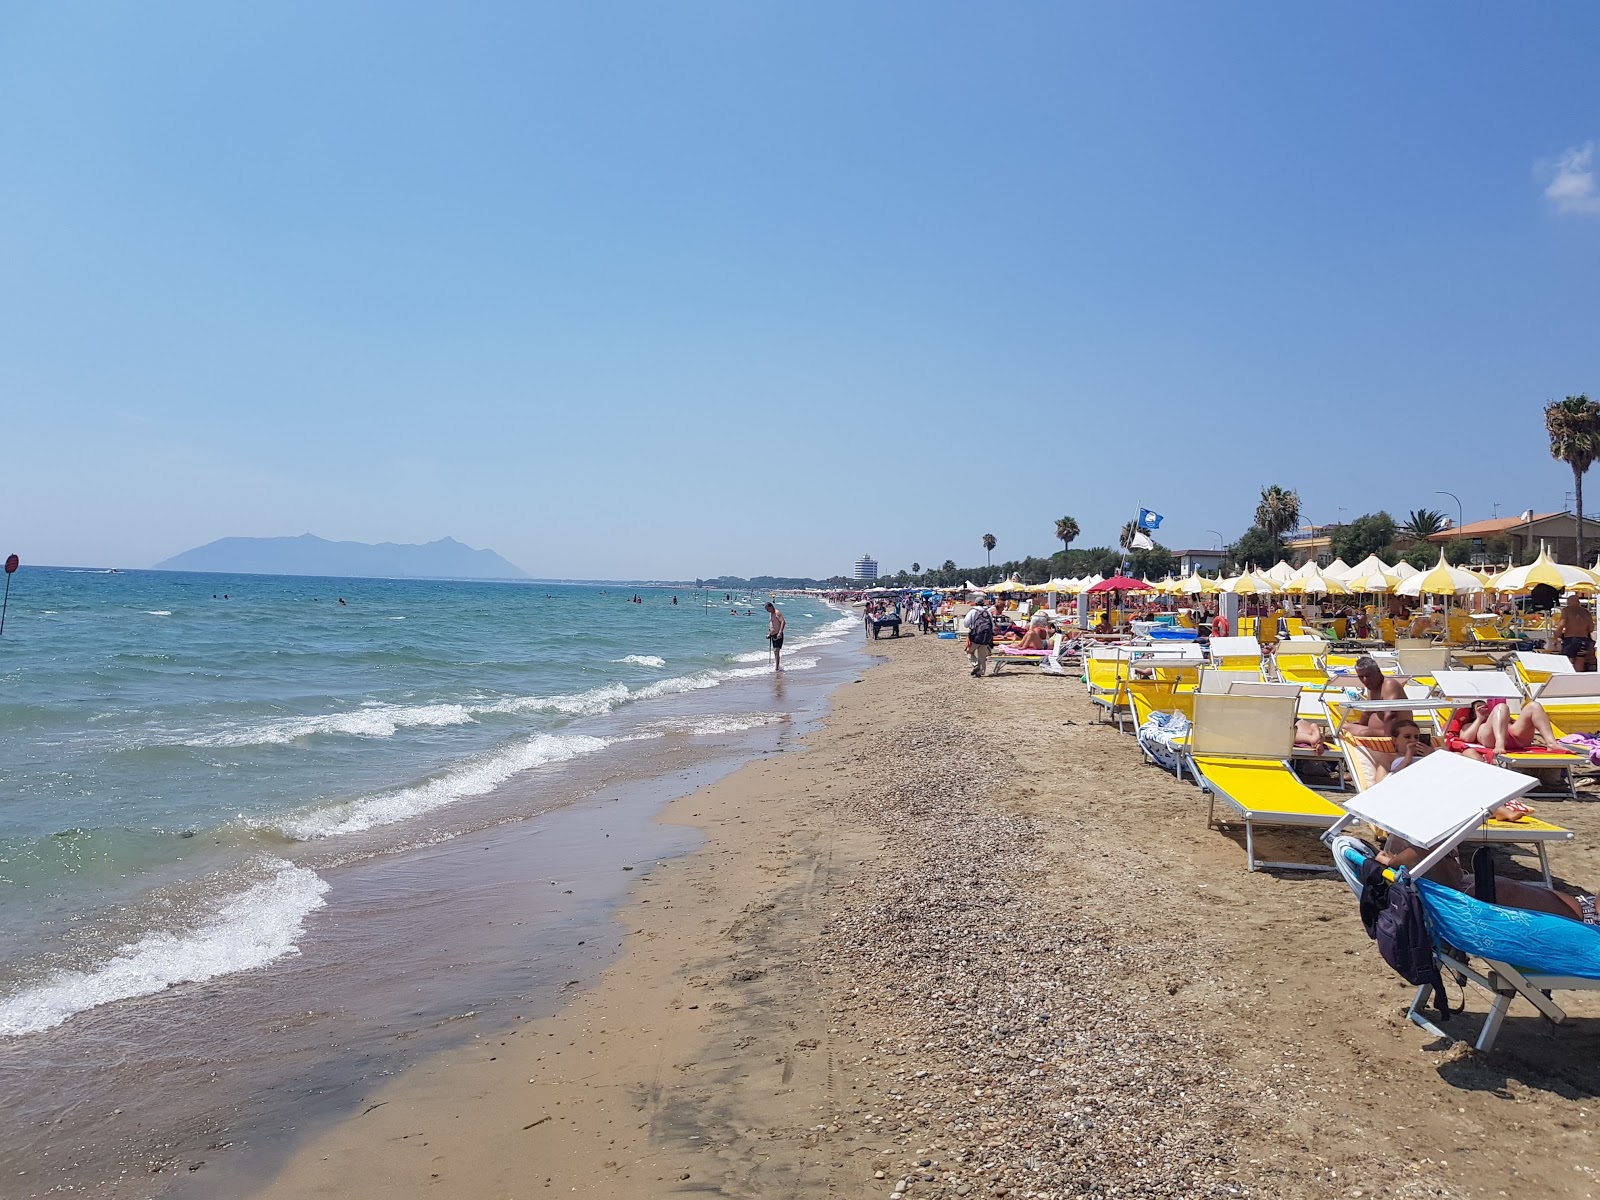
(1120, 583)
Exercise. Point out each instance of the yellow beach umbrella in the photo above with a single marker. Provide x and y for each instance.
(1249, 584)
(1318, 585)
(1546, 570)
(1197, 584)
(1379, 581)
(1441, 580)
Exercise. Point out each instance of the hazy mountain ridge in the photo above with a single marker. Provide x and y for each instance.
(312, 555)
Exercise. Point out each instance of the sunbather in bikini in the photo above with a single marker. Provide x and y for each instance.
(1487, 728)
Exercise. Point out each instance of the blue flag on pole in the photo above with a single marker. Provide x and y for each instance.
(1148, 519)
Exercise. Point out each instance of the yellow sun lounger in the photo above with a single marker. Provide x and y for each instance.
(1108, 685)
(1300, 660)
(1239, 751)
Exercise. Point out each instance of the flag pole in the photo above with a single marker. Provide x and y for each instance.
(11, 569)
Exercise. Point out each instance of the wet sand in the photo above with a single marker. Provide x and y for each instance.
(964, 943)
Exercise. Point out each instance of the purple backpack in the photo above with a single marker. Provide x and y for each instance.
(1394, 918)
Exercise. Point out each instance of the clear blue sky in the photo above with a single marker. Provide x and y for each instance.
(656, 289)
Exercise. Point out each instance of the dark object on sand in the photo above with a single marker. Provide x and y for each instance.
(879, 624)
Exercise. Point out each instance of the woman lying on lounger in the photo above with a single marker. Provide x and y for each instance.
(1487, 728)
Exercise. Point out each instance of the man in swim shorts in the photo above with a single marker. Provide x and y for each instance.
(1378, 686)
(775, 634)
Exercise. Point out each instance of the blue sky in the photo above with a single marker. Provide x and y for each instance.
(667, 290)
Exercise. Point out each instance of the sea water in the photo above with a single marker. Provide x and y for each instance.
(185, 755)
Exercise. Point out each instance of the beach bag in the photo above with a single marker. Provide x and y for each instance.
(1393, 916)
(981, 632)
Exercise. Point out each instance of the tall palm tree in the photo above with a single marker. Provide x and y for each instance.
(988, 549)
(1279, 510)
(1421, 522)
(1125, 538)
(916, 568)
(1574, 428)
(1066, 531)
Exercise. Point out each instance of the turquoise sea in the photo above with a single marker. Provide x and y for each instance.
(184, 755)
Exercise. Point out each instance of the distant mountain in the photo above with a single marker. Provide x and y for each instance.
(311, 555)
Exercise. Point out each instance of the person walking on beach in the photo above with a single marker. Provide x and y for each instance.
(775, 628)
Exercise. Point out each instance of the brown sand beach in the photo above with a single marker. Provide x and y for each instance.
(965, 944)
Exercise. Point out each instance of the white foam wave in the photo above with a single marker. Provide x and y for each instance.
(249, 930)
(711, 726)
(593, 703)
(376, 721)
(158, 612)
(385, 720)
(789, 664)
(476, 778)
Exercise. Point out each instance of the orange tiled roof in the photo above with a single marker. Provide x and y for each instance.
(1489, 528)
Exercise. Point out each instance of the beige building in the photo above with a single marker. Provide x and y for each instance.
(1558, 531)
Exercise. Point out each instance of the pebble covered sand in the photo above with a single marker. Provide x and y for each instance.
(963, 943)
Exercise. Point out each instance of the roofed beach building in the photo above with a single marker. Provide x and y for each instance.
(1509, 540)
(866, 569)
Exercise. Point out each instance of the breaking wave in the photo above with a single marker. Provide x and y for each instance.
(248, 930)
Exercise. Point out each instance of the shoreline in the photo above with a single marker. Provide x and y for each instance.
(419, 948)
(924, 955)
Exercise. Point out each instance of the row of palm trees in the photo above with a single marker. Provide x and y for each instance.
(1573, 424)
(1066, 532)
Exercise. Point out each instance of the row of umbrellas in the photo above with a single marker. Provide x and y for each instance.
(1371, 576)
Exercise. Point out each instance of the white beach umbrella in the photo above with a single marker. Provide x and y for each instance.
(1404, 569)
(1280, 572)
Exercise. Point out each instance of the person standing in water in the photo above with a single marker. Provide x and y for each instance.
(775, 634)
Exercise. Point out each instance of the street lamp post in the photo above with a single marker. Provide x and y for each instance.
(1460, 519)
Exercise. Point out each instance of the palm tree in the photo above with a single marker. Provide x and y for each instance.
(1279, 510)
(988, 549)
(1066, 531)
(916, 568)
(1574, 428)
(1421, 522)
(1125, 538)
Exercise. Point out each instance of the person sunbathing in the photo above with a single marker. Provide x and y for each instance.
(1034, 639)
(1487, 729)
(1452, 873)
(1309, 735)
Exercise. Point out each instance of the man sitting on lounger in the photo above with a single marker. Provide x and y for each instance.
(1379, 687)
